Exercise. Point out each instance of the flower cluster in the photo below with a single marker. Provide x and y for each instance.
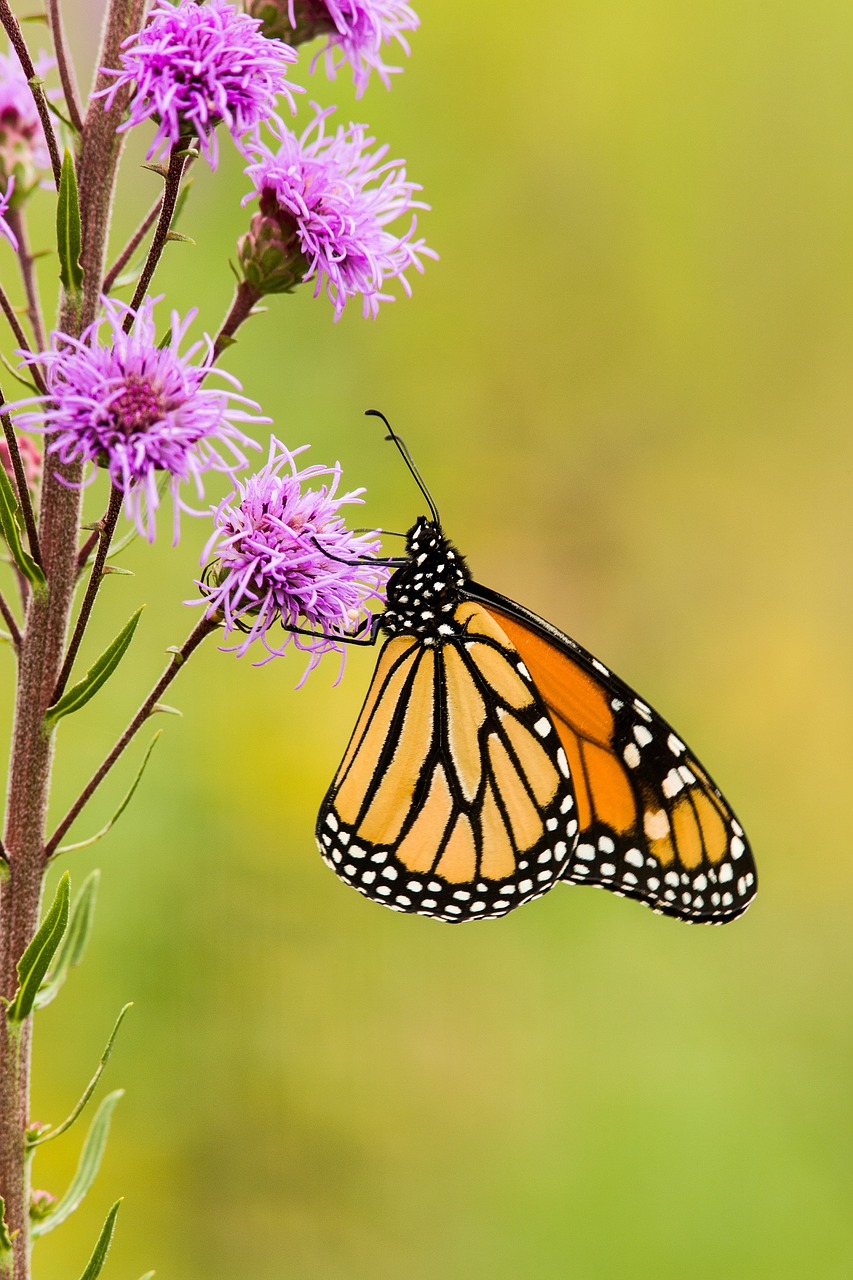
(5, 229)
(333, 199)
(140, 409)
(23, 151)
(194, 66)
(281, 554)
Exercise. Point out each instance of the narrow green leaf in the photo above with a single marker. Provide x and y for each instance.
(149, 1275)
(122, 573)
(45, 1132)
(51, 106)
(11, 532)
(87, 1167)
(83, 844)
(5, 1238)
(181, 239)
(181, 201)
(25, 382)
(99, 1253)
(33, 964)
(166, 710)
(74, 943)
(98, 674)
(68, 228)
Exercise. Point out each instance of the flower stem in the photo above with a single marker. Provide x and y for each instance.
(149, 706)
(24, 498)
(106, 530)
(246, 296)
(99, 154)
(18, 224)
(16, 39)
(177, 161)
(11, 623)
(21, 337)
(132, 245)
(66, 68)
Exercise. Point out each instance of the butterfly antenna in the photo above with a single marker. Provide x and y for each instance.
(407, 458)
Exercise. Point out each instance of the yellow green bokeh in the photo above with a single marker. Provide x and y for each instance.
(629, 385)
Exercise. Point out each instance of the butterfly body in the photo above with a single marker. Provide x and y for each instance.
(494, 757)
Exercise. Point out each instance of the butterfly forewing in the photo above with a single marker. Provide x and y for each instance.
(454, 797)
(652, 824)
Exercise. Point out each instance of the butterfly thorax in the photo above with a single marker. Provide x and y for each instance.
(424, 592)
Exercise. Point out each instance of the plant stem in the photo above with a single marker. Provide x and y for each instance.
(13, 31)
(177, 160)
(66, 69)
(24, 498)
(43, 639)
(105, 535)
(11, 623)
(18, 224)
(245, 298)
(149, 706)
(132, 245)
(21, 338)
(99, 154)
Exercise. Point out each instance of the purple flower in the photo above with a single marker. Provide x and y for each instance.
(284, 555)
(355, 31)
(23, 150)
(5, 229)
(333, 199)
(196, 65)
(139, 410)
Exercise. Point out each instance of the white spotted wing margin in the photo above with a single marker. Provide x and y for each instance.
(453, 799)
(652, 824)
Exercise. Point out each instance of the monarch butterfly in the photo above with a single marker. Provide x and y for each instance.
(494, 757)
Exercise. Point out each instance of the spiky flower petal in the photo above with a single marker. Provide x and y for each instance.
(139, 409)
(334, 200)
(281, 555)
(194, 66)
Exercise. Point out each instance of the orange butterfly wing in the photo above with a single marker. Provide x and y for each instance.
(653, 825)
(453, 799)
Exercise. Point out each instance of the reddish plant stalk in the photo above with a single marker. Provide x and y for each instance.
(41, 654)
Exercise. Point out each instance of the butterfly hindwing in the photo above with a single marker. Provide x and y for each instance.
(454, 797)
(653, 825)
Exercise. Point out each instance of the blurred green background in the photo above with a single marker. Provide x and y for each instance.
(628, 382)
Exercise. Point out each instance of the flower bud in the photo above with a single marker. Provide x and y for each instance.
(30, 456)
(312, 19)
(41, 1204)
(270, 254)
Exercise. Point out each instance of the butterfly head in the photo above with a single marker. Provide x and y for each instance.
(423, 593)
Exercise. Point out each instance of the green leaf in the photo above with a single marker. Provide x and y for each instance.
(83, 844)
(11, 532)
(149, 1275)
(74, 943)
(68, 228)
(99, 1253)
(33, 964)
(87, 1168)
(98, 674)
(180, 239)
(46, 1133)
